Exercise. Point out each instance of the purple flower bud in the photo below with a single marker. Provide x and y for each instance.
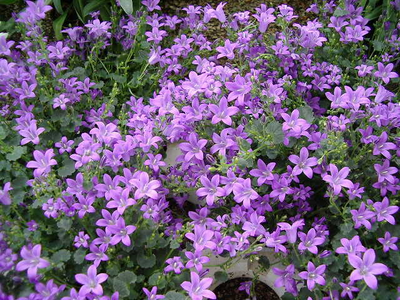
(387, 25)
(325, 253)
(245, 121)
(210, 159)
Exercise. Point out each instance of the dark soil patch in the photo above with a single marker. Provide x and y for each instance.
(229, 290)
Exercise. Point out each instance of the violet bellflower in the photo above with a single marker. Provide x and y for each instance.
(313, 275)
(201, 237)
(227, 50)
(121, 232)
(337, 179)
(286, 279)
(384, 212)
(196, 260)
(31, 133)
(145, 186)
(310, 241)
(42, 163)
(388, 242)
(351, 247)
(5, 195)
(223, 112)
(385, 72)
(152, 295)
(348, 289)
(291, 230)
(362, 216)
(31, 261)
(174, 264)
(198, 289)
(303, 163)
(366, 268)
(244, 193)
(210, 189)
(193, 147)
(91, 283)
(264, 172)
(238, 89)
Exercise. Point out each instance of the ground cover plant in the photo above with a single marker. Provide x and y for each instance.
(287, 141)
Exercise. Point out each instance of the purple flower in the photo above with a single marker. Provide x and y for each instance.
(265, 18)
(244, 193)
(382, 147)
(197, 289)
(310, 241)
(32, 225)
(222, 112)
(193, 148)
(5, 46)
(97, 255)
(31, 133)
(291, 230)
(388, 242)
(151, 5)
(91, 283)
(51, 208)
(38, 9)
(385, 212)
(42, 163)
(145, 186)
(210, 189)
(303, 163)
(201, 237)
(152, 295)
(196, 260)
(50, 290)
(293, 123)
(154, 162)
(98, 29)
(264, 172)
(31, 261)
(337, 179)
(81, 240)
(313, 275)
(64, 145)
(361, 216)
(238, 89)
(227, 50)
(366, 268)
(348, 289)
(121, 200)
(286, 279)
(385, 172)
(246, 286)
(253, 226)
(4, 194)
(121, 232)
(85, 205)
(352, 246)
(174, 264)
(196, 84)
(385, 73)
(275, 240)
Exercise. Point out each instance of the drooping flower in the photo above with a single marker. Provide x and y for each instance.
(291, 230)
(31, 260)
(366, 268)
(197, 289)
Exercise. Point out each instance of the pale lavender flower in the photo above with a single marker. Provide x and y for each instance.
(42, 163)
(388, 242)
(310, 241)
(91, 283)
(193, 148)
(366, 268)
(201, 237)
(385, 212)
(145, 186)
(210, 189)
(313, 275)
(174, 264)
(196, 260)
(264, 172)
(291, 230)
(351, 247)
(31, 261)
(337, 179)
(348, 289)
(385, 72)
(223, 112)
(197, 289)
(81, 240)
(244, 193)
(227, 50)
(286, 279)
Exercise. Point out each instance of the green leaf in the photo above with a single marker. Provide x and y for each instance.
(61, 256)
(174, 296)
(157, 279)
(118, 78)
(174, 244)
(275, 129)
(58, 6)
(7, 2)
(58, 24)
(146, 261)
(221, 276)
(79, 255)
(67, 169)
(306, 113)
(17, 152)
(92, 6)
(368, 294)
(127, 277)
(121, 287)
(3, 133)
(65, 224)
(127, 6)
(340, 12)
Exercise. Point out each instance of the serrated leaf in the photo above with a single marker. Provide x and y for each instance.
(121, 287)
(275, 129)
(127, 6)
(174, 296)
(16, 154)
(65, 224)
(61, 256)
(127, 277)
(67, 169)
(306, 113)
(221, 276)
(146, 261)
(79, 255)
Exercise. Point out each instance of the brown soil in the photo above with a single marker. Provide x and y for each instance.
(229, 290)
